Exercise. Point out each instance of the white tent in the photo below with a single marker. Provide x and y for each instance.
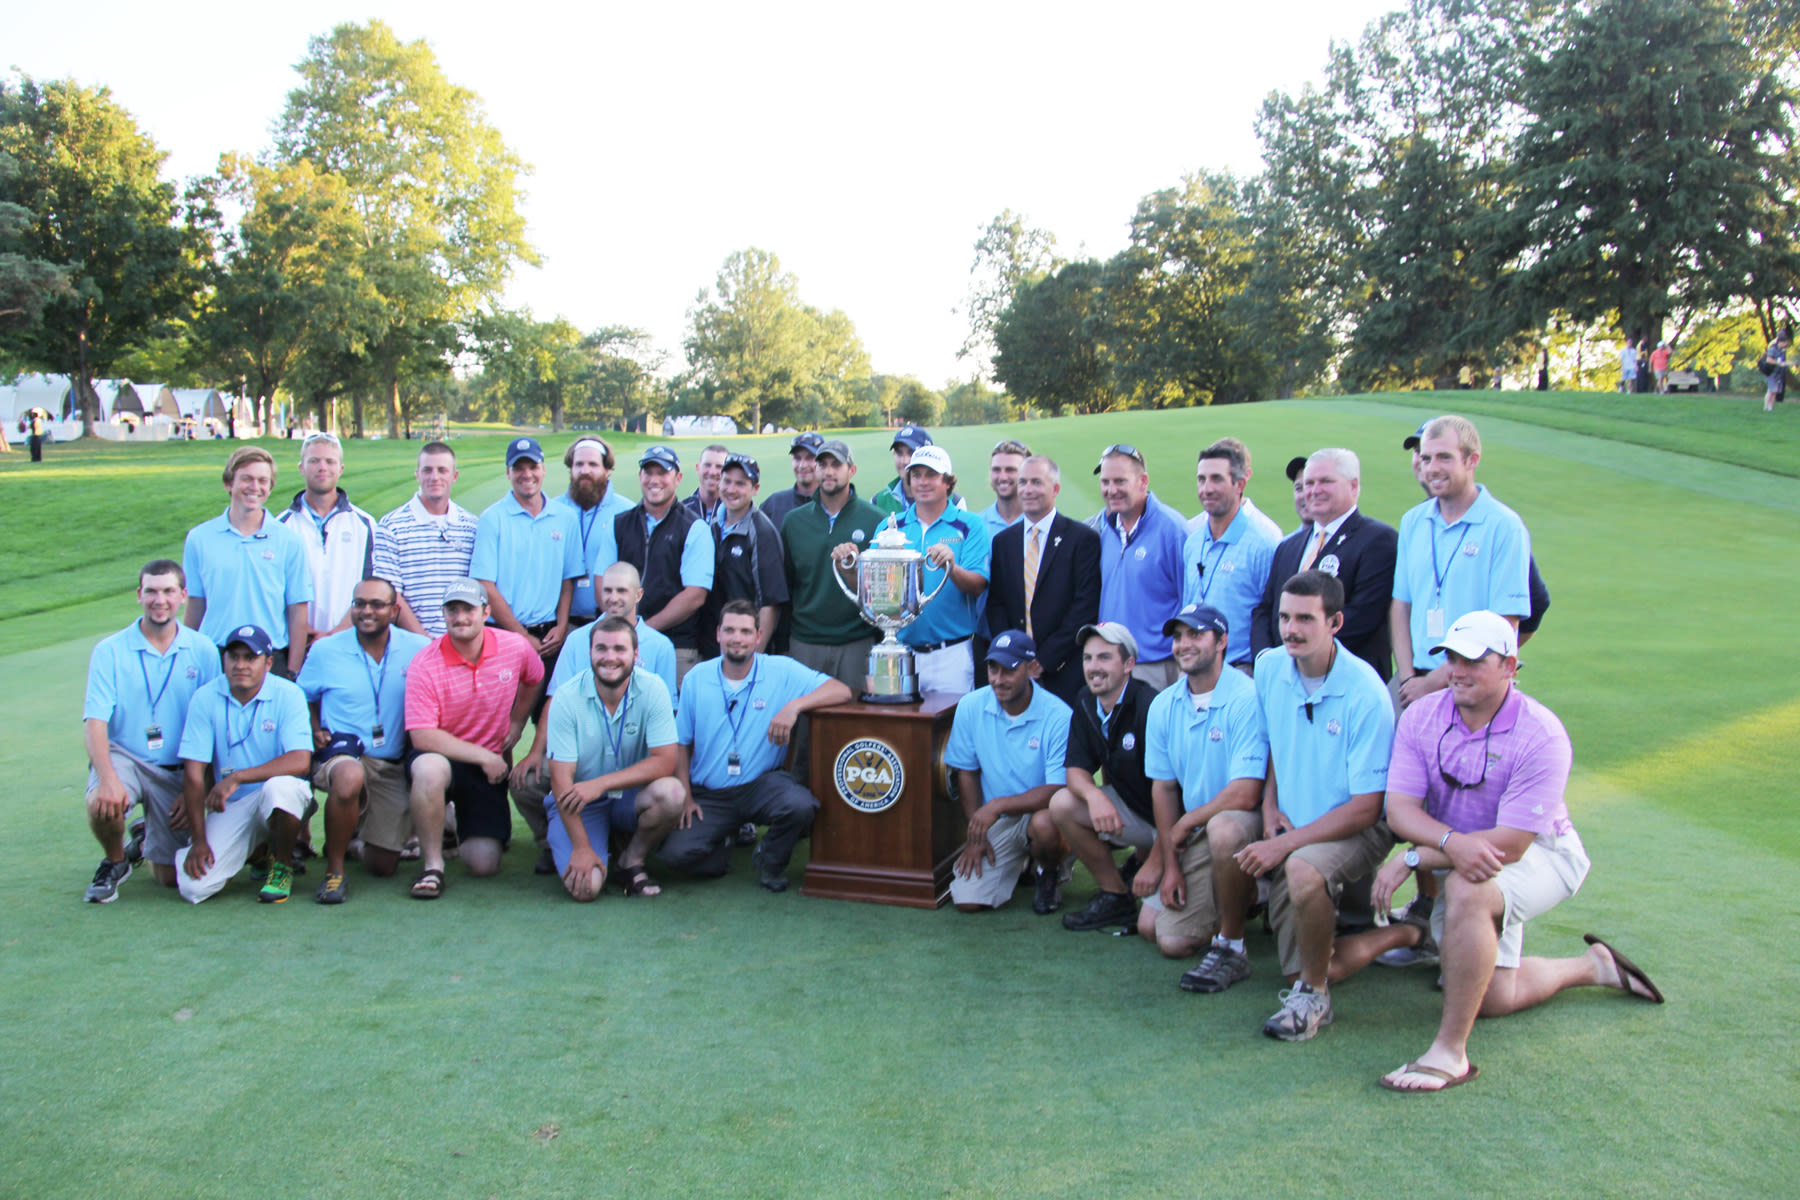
(198, 403)
(38, 391)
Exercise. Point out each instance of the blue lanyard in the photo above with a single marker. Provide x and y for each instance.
(1438, 577)
(167, 675)
(1206, 578)
(617, 744)
(585, 518)
(232, 743)
(731, 702)
(376, 684)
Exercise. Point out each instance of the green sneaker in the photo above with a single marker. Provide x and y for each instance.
(279, 886)
(259, 862)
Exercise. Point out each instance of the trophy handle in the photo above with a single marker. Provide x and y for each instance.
(930, 596)
(838, 576)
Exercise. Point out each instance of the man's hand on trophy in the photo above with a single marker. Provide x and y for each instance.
(845, 555)
(941, 556)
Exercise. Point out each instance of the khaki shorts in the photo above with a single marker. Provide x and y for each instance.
(159, 791)
(1340, 863)
(1549, 872)
(1200, 917)
(994, 886)
(386, 803)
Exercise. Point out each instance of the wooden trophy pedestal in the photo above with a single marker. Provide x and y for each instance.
(887, 831)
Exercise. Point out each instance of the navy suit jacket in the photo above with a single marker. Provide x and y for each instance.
(1067, 596)
(1365, 550)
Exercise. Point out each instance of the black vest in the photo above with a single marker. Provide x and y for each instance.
(659, 562)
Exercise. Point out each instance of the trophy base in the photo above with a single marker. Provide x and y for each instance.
(875, 698)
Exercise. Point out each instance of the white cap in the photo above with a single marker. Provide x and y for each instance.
(933, 458)
(1476, 633)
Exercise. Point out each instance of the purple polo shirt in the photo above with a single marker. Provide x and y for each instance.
(1527, 756)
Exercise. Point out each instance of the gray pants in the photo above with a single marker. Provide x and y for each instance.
(848, 664)
(773, 799)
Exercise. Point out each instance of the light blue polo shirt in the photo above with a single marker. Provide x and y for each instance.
(1331, 745)
(599, 548)
(1203, 751)
(527, 557)
(1013, 754)
(246, 580)
(714, 721)
(952, 612)
(134, 687)
(234, 737)
(655, 654)
(1481, 561)
(1229, 573)
(1140, 579)
(582, 732)
(355, 693)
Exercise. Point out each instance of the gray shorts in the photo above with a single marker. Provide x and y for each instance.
(1134, 831)
(158, 789)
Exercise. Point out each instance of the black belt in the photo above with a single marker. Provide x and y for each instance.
(934, 647)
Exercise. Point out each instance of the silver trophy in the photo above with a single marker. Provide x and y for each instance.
(890, 595)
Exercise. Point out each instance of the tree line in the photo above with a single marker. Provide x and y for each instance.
(1473, 185)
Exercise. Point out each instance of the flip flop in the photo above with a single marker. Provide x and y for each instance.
(1628, 970)
(429, 885)
(1414, 1068)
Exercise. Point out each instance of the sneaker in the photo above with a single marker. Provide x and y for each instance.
(332, 890)
(1048, 897)
(259, 862)
(279, 885)
(1425, 954)
(746, 834)
(107, 878)
(1219, 968)
(1303, 1013)
(134, 849)
(301, 854)
(1106, 908)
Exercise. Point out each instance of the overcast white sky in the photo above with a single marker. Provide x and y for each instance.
(864, 145)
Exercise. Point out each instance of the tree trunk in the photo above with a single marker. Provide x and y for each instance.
(393, 406)
(356, 414)
(84, 384)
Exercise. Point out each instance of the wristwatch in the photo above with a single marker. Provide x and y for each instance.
(1411, 857)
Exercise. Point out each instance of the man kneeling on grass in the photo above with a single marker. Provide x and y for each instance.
(1007, 746)
(1477, 783)
(612, 765)
(251, 732)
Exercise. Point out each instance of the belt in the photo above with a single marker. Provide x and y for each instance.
(934, 647)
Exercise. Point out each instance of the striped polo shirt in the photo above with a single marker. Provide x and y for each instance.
(471, 701)
(419, 554)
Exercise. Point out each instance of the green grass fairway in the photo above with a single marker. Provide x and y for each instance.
(720, 1041)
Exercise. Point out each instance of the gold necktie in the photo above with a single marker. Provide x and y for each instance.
(1032, 553)
(1312, 554)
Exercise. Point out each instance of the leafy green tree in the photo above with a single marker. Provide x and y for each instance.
(620, 381)
(757, 353)
(26, 283)
(536, 365)
(289, 279)
(1049, 347)
(1008, 253)
(1658, 168)
(973, 402)
(434, 187)
(97, 210)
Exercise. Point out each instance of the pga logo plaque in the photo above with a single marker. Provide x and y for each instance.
(868, 775)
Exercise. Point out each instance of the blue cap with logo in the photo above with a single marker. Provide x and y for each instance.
(912, 437)
(524, 447)
(1202, 618)
(252, 637)
(808, 443)
(661, 456)
(1011, 648)
(744, 463)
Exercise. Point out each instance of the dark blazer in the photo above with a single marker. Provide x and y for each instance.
(1364, 549)
(1067, 596)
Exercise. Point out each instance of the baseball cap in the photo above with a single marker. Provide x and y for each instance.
(1412, 443)
(838, 449)
(1476, 633)
(252, 637)
(340, 745)
(746, 464)
(465, 591)
(913, 436)
(1202, 618)
(662, 456)
(523, 448)
(1296, 465)
(1011, 648)
(1113, 632)
(1129, 451)
(809, 442)
(932, 458)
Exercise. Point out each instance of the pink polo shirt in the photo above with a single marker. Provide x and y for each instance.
(1524, 751)
(471, 701)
